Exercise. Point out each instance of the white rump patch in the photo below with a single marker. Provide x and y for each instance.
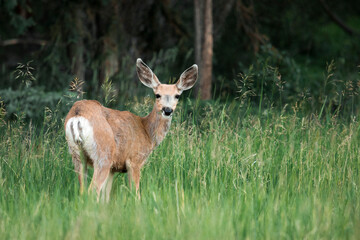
(80, 134)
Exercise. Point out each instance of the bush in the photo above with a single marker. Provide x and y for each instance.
(31, 102)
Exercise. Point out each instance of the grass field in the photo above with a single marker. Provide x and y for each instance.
(224, 175)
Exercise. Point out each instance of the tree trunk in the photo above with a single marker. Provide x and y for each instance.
(337, 20)
(110, 64)
(198, 22)
(219, 19)
(206, 53)
(198, 30)
(109, 45)
(77, 49)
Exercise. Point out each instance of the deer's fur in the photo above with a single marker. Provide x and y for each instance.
(119, 141)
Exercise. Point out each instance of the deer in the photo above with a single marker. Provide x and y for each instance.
(114, 141)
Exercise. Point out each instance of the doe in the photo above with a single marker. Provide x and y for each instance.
(119, 141)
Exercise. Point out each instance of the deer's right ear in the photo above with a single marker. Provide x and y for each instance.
(146, 76)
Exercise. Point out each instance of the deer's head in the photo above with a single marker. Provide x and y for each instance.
(167, 95)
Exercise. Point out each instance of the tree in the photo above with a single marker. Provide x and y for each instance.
(204, 46)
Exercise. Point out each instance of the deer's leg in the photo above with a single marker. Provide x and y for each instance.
(133, 175)
(99, 179)
(80, 168)
(102, 166)
(106, 191)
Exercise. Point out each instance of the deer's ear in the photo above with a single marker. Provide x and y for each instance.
(146, 76)
(188, 78)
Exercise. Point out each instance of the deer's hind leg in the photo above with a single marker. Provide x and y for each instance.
(107, 189)
(99, 181)
(80, 167)
(101, 151)
(101, 175)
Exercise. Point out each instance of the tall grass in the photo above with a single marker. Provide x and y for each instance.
(226, 174)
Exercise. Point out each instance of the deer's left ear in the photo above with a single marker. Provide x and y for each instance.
(188, 78)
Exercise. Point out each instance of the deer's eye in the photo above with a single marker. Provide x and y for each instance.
(177, 96)
(157, 96)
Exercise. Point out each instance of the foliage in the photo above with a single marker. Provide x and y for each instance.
(108, 92)
(276, 80)
(49, 31)
(24, 73)
(30, 101)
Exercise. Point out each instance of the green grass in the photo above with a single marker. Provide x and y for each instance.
(224, 175)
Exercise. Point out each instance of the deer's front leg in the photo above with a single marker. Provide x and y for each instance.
(133, 170)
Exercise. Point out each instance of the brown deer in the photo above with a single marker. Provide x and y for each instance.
(119, 141)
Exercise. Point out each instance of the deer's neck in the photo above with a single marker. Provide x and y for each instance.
(156, 126)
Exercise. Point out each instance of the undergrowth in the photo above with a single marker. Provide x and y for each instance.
(227, 174)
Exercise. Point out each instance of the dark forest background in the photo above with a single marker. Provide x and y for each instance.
(259, 53)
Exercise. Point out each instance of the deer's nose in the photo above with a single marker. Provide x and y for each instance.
(167, 111)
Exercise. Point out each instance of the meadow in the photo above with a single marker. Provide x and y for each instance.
(227, 173)
(270, 152)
